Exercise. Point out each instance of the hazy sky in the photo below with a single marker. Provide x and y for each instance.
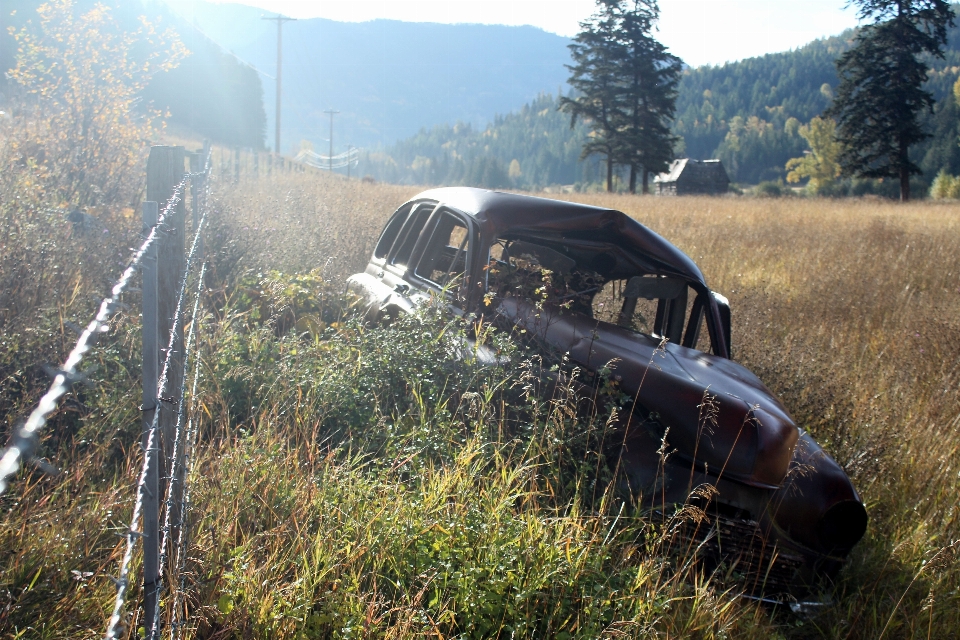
(699, 31)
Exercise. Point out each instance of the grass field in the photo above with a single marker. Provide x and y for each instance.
(351, 484)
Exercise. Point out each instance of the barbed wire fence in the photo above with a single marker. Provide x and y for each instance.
(170, 428)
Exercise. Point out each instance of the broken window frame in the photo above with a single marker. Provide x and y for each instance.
(391, 232)
(457, 287)
(683, 329)
(403, 251)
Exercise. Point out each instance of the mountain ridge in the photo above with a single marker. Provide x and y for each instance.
(387, 78)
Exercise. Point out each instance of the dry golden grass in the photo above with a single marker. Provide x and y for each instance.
(300, 221)
(848, 309)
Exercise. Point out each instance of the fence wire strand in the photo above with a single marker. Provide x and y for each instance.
(178, 440)
(115, 624)
(26, 439)
(183, 537)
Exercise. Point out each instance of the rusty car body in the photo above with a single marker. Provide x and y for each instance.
(607, 289)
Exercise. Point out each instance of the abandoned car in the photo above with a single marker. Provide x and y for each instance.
(598, 286)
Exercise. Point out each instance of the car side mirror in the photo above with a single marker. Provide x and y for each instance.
(724, 306)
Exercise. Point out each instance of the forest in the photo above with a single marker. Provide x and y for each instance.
(747, 113)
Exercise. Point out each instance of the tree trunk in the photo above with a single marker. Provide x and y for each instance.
(904, 172)
(646, 181)
(609, 173)
(633, 179)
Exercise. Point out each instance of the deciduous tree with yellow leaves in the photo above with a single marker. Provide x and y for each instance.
(72, 155)
(822, 163)
(79, 77)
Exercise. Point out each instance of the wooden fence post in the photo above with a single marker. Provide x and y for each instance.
(151, 497)
(165, 170)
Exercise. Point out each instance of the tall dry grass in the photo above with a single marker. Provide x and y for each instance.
(848, 309)
(350, 485)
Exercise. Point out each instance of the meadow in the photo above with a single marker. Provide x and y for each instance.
(359, 482)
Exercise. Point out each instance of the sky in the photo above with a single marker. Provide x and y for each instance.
(698, 31)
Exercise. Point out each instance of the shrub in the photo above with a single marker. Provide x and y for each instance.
(769, 189)
(945, 186)
(71, 171)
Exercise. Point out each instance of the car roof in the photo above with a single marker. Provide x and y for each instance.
(502, 214)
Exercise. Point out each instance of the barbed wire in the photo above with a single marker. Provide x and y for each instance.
(115, 623)
(26, 439)
(183, 538)
(178, 440)
(190, 437)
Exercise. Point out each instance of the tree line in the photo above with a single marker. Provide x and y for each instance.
(626, 89)
(755, 115)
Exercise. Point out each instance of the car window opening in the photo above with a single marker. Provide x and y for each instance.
(399, 255)
(444, 259)
(390, 234)
(526, 270)
(649, 304)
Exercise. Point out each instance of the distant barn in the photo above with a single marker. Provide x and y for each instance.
(692, 177)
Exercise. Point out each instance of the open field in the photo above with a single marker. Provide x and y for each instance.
(350, 485)
(849, 309)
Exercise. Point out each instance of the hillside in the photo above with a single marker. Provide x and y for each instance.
(388, 79)
(526, 148)
(211, 92)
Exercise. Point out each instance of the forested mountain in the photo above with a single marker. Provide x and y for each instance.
(388, 79)
(740, 111)
(534, 146)
(747, 113)
(211, 92)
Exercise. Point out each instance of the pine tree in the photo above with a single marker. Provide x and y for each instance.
(626, 88)
(651, 77)
(596, 80)
(880, 95)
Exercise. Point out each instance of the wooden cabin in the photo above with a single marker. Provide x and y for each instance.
(692, 177)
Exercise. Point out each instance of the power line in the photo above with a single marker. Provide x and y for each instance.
(338, 161)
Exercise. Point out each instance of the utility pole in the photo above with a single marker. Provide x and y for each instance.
(279, 20)
(331, 112)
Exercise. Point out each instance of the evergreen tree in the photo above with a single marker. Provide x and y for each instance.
(880, 96)
(651, 76)
(595, 76)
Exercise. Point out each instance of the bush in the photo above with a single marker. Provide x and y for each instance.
(945, 186)
(71, 172)
(770, 190)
